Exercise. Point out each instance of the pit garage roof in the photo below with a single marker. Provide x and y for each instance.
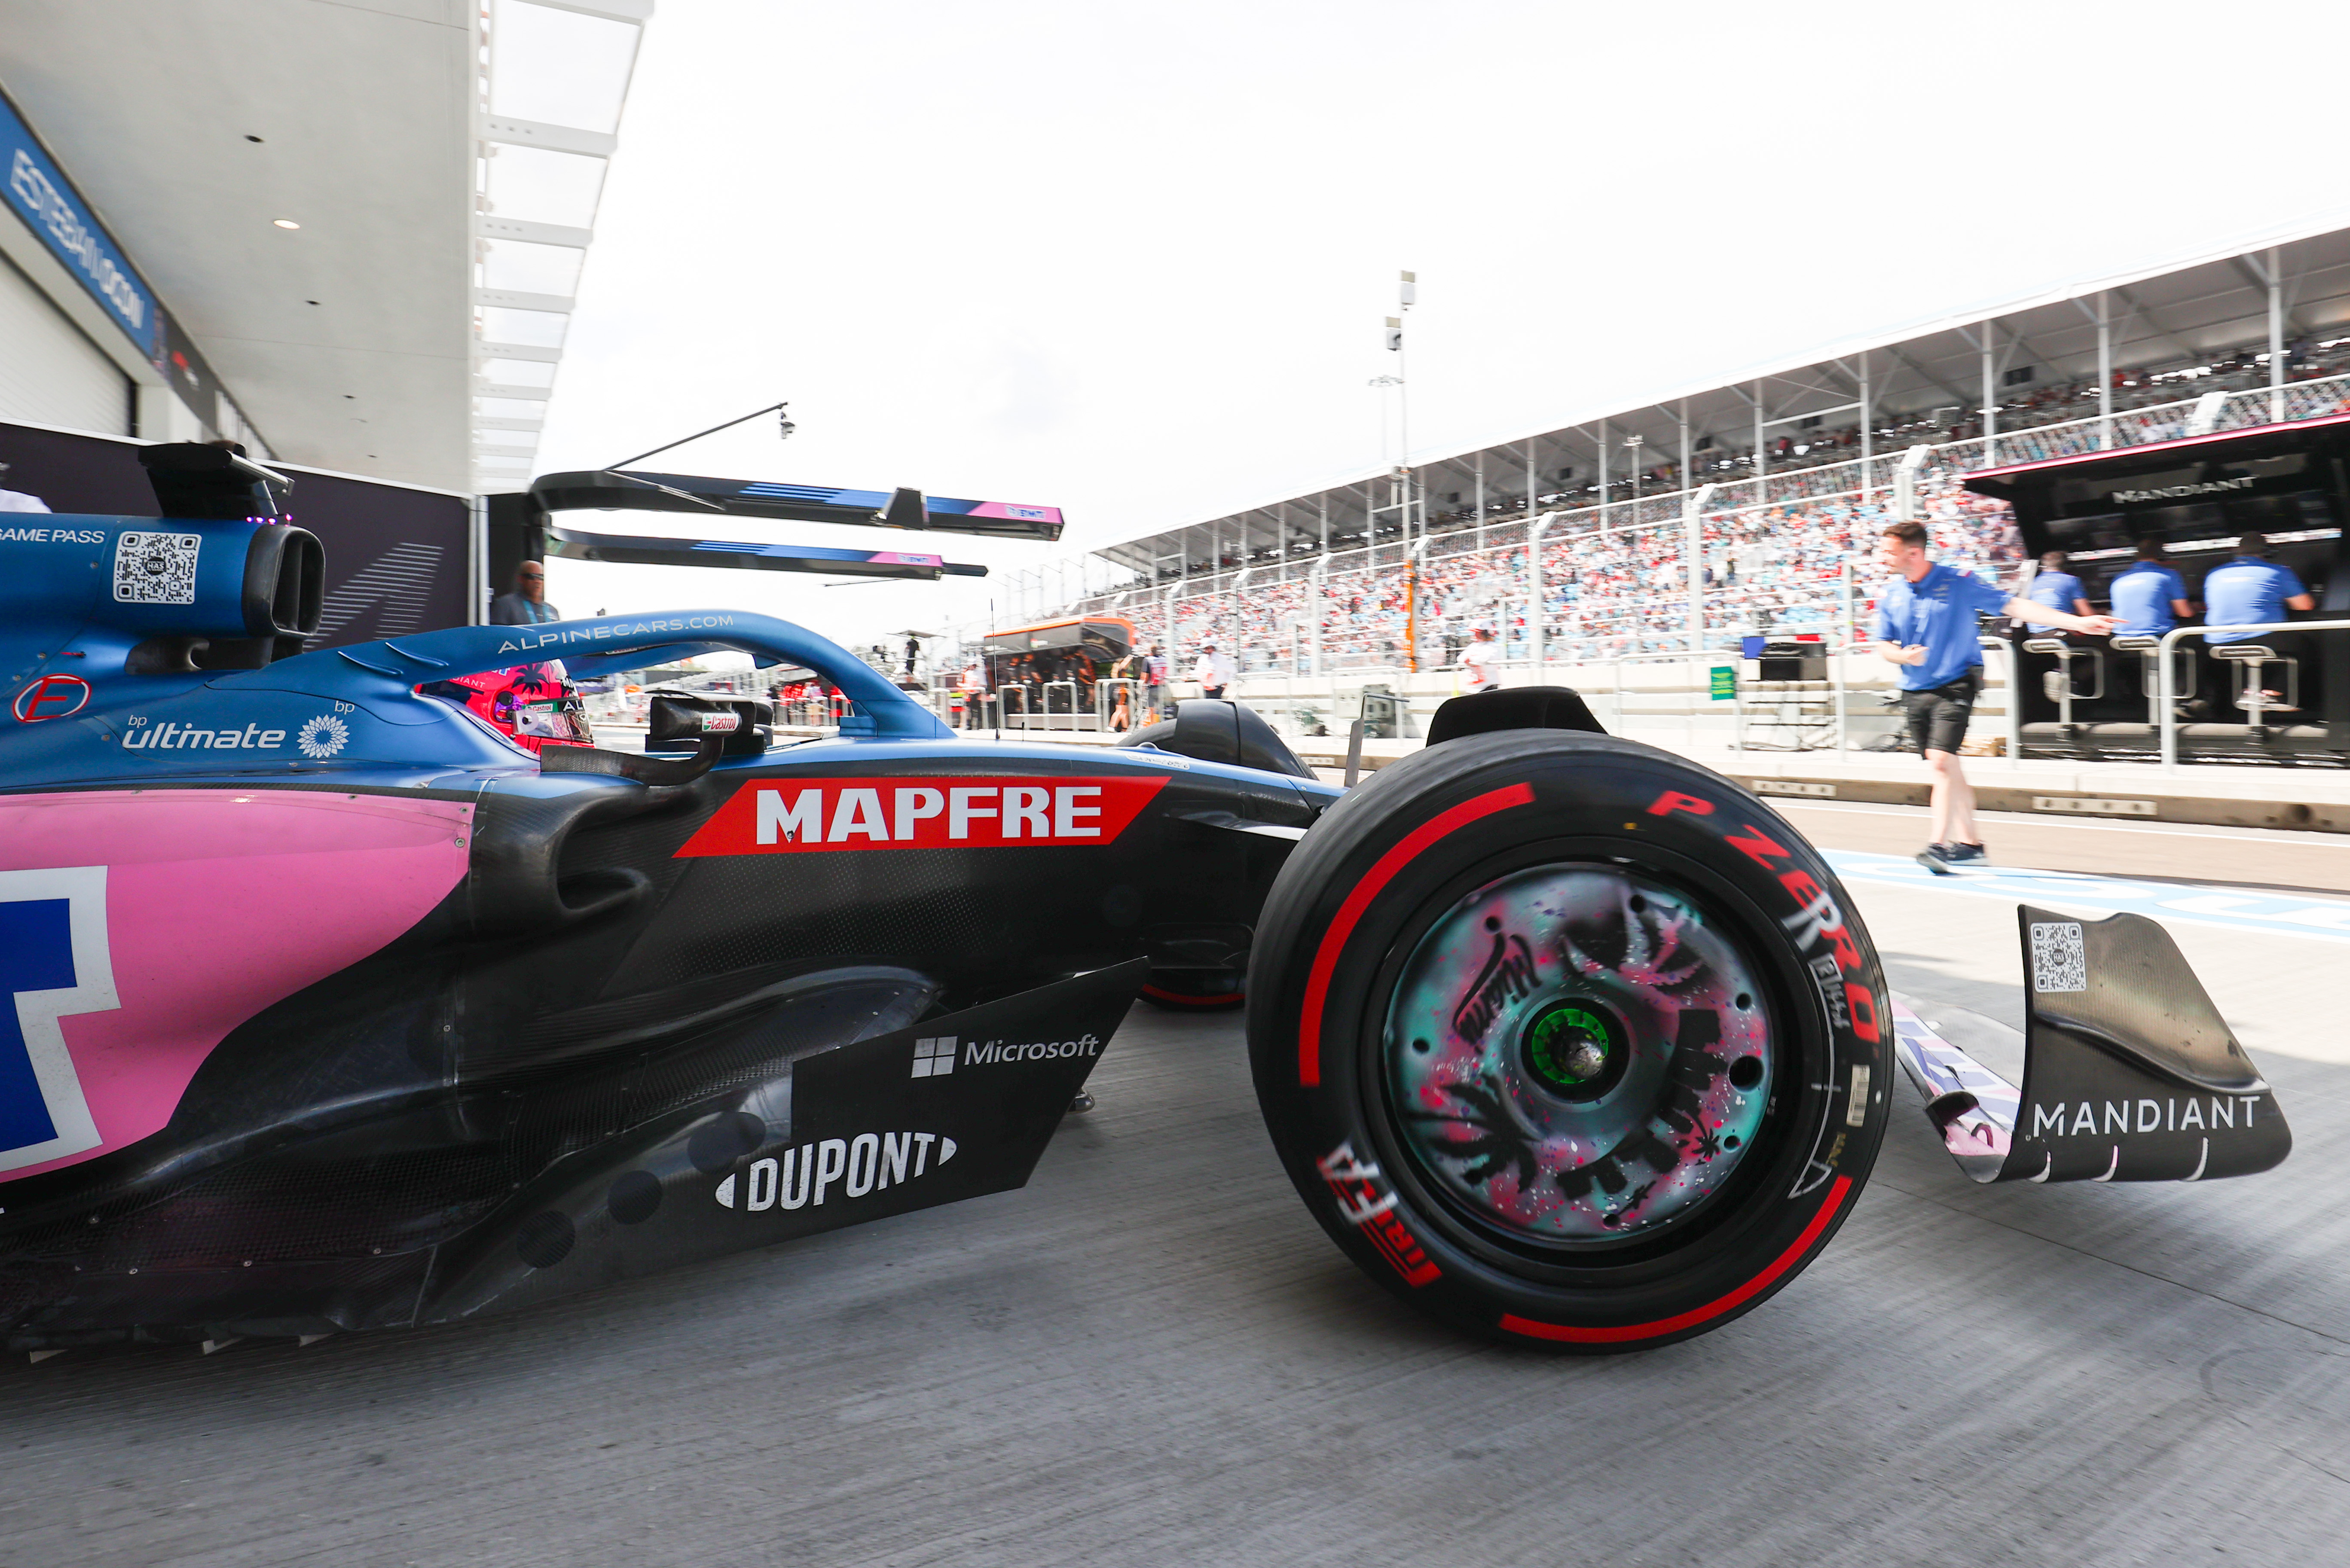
(351, 343)
(2184, 309)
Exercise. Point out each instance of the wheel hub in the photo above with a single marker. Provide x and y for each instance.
(1574, 1048)
(1578, 1052)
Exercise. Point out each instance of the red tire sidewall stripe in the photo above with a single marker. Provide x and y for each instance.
(1623, 1334)
(1185, 999)
(1334, 941)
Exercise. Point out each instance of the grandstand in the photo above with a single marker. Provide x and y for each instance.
(1776, 481)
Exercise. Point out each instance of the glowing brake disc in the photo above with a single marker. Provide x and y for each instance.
(1576, 1054)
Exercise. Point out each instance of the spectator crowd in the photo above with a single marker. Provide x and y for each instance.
(1606, 592)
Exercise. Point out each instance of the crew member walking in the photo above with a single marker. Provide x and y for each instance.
(1477, 662)
(1155, 662)
(1130, 673)
(1926, 624)
(973, 684)
(1213, 672)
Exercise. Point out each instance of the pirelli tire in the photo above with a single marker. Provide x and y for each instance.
(1568, 1042)
(1195, 991)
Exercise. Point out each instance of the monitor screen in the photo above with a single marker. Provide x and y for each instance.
(2190, 525)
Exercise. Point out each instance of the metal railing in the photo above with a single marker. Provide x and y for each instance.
(1109, 692)
(1697, 684)
(1044, 693)
(2167, 677)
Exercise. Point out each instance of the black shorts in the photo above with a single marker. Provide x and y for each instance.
(1938, 718)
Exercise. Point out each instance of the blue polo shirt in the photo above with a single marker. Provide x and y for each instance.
(2247, 591)
(1939, 610)
(2057, 590)
(2142, 597)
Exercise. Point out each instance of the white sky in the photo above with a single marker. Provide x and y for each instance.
(1132, 259)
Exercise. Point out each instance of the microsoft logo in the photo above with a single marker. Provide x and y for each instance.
(934, 1058)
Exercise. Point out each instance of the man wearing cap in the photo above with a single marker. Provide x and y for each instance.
(1926, 624)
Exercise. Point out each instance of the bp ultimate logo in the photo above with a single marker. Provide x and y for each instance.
(54, 955)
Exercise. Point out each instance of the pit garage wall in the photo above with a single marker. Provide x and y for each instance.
(48, 371)
(398, 559)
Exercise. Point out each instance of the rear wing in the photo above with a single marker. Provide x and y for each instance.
(647, 550)
(774, 501)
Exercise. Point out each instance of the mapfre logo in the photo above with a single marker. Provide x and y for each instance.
(787, 816)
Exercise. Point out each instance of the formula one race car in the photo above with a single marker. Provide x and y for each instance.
(336, 1008)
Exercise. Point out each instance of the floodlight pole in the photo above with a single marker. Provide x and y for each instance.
(1407, 295)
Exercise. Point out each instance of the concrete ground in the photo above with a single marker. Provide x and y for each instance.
(1152, 1356)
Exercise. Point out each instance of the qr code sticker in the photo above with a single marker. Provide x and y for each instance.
(2059, 962)
(156, 568)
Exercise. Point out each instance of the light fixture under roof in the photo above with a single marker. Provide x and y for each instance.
(285, 222)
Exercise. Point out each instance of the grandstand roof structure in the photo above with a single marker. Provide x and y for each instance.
(2267, 312)
(370, 218)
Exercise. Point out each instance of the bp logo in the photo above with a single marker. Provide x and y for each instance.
(323, 736)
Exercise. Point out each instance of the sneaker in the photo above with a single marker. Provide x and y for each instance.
(1965, 855)
(1936, 858)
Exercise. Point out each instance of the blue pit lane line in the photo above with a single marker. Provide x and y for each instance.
(2229, 909)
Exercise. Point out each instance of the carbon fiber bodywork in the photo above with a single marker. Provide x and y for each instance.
(375, 1024)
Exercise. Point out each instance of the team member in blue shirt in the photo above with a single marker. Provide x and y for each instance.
(2056, 588)
(2250, 591)
(2253, 590)
(2149, 598)
(1926, 624)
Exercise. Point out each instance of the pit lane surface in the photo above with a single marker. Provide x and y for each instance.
(1152, 1356)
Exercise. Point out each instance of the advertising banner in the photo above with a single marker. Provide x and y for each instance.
(37, 191)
